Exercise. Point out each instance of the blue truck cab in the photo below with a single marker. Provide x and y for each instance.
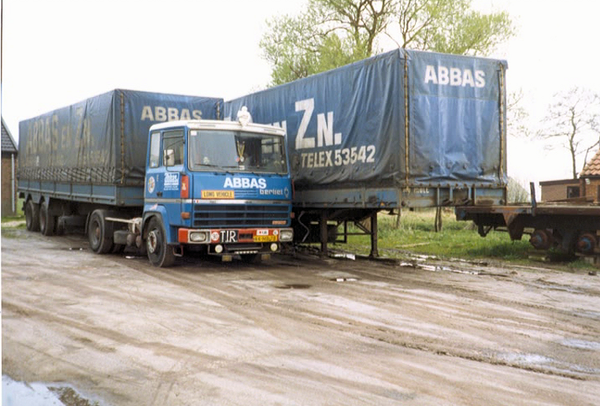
(223, 187)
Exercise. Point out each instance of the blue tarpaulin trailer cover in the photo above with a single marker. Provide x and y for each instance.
(399, 120)
(102, 140)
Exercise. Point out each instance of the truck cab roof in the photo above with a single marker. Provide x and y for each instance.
(220, 125)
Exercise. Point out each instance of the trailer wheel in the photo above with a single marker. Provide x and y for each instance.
(32, 216)
(99, 233)
(159, 253)
(47, 221)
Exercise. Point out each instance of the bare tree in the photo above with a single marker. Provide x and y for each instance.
(517, 115)
(574, 121)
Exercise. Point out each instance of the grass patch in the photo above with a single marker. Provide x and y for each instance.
(16, 221)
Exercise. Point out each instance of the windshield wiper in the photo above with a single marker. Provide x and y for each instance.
(224, 168)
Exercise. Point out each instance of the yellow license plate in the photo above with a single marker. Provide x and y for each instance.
(218, 194)
(265, 238)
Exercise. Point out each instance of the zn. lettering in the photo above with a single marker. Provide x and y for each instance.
(325, 135)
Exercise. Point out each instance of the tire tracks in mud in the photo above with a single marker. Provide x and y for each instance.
(97, 331)
(293, 311)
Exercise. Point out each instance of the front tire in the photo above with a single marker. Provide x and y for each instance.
(159, 253)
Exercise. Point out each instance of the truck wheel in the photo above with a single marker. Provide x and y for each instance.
(159, 253)
(99, 233)
(47, 221)
(32, 216)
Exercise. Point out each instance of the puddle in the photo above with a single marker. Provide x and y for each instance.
(344, 256)
(437, 268)
(344, 280)
(581, 344)
(293, 286)
(524, 359)
(24, 394)
(588, 314)
(419, 261)
(543, 362)
(39, 394)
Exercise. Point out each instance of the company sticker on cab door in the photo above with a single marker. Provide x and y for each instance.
(218, 194)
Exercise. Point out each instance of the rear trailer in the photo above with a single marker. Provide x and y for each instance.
(573, 228)
(404, 129)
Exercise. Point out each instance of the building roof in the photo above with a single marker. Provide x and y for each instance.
(592, 168)
(8, 142)
(560, 182)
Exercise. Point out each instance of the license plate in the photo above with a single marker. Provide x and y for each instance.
(218, 194)
(229, 236)
(265, 238)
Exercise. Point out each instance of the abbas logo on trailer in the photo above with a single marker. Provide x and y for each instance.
(444, 75)
(160, 113)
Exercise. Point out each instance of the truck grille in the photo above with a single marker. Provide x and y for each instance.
(239, 215)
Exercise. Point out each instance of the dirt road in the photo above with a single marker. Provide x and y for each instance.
(296, 331)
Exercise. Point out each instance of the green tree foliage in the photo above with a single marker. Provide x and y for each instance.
(451, 27)
(332, 33)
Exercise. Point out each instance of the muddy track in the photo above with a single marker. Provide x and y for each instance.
(296, 330)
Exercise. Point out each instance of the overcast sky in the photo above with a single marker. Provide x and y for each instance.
(58, 52)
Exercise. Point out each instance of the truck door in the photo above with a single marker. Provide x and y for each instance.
(163, 178)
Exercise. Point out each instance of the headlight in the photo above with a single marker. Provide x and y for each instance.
(286, 234)
(198, 236)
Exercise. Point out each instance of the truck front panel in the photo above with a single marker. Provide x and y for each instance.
(221, 185)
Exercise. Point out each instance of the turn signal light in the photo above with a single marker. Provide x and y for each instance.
(185, 187)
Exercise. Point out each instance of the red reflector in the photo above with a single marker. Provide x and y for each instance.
(185, 187)
(182, 235)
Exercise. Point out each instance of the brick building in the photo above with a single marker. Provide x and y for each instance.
(9, 167)
(555, 190)
(590, 178)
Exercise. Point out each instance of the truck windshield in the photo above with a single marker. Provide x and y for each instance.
(236, 151)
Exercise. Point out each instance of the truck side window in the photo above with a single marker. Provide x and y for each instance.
(154, 149)
(173, 148)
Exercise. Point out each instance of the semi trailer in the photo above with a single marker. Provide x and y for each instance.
(404, 129)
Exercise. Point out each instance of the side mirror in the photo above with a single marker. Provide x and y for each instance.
(169, 157)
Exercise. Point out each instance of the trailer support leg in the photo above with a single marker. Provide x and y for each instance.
(374, 250)
(323, 226)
